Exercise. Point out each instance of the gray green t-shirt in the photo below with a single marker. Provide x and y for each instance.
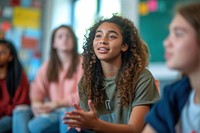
(146, 93)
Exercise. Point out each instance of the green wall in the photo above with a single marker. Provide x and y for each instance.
(154, 28)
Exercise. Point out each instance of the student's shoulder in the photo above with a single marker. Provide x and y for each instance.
(24, 75)
(145, 74)
(80, 57)
(183, 82)
(179, 88)
(44, 64)
(43, 67)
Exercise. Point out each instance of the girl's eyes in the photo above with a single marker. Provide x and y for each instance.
(178, 33)
(59, 36)
(66, 36)
(3, 52)
(97, 36)
(112, 37)
(109, 36)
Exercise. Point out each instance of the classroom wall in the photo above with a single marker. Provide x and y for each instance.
(130, 9)
(151, 17)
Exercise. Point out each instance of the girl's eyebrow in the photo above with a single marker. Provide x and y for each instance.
(178, 28)
(110, 31)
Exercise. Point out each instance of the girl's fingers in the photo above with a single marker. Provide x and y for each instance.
(76, 106)
(78, 129)
(69, 128)
(74, 117)
(91, 106)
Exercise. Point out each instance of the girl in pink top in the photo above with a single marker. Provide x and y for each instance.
(55, 87)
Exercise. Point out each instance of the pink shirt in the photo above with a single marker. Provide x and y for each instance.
(63, 90)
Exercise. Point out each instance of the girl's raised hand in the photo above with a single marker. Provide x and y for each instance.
(79, 118)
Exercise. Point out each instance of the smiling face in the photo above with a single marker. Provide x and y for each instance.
(108, 43)
(182, 51)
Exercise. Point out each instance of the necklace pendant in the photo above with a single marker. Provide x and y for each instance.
(193, 131)
(107, 103)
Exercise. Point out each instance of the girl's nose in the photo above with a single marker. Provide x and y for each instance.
(103, 42)
(166, 42)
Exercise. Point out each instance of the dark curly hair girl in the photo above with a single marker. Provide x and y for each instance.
(134, 60)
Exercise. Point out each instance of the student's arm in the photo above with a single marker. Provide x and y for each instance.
(89, 120)
(21, 97)
(135, 124)
(148, 129)
(38, 90)
(22, 92)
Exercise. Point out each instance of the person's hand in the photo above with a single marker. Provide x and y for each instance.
(43, 108)
(81, 119)
(77, 107)
(37, 108)
(49, 106)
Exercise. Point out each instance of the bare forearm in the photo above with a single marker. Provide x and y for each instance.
(106, 127)
(36, 101)
(63, 103)
(57, 103)
(148, 129)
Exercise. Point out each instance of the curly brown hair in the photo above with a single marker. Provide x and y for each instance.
(134, 60)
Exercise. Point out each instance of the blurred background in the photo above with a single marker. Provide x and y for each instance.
(29, 23)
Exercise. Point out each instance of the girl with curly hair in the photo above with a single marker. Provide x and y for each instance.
(116, 90)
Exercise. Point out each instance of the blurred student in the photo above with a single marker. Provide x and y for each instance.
(14, 85)
(179, 109)
(116, 91)
(55, 87)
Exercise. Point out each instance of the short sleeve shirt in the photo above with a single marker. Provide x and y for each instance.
(146, 93)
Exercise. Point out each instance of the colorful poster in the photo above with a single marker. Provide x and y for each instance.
(7, 12)
(2, 34)
(29, 43)
(152, 4)
(14, 2)
(25, 3)
(143, 8)
(5, 26)
(26, 17)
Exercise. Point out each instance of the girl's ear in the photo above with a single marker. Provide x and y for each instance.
(124, 47)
